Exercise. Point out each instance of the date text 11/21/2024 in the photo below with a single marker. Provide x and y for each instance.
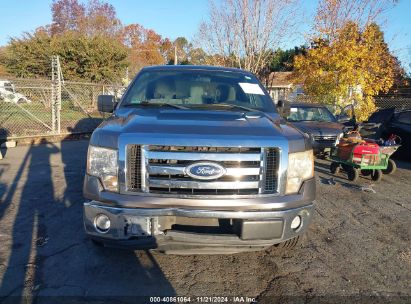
(202, 299)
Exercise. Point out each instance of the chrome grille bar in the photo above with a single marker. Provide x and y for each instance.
(197, 156)
(175, 183)
(171, 170)
(325, 139)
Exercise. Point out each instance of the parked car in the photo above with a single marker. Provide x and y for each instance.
(197, 160)
(318, 123)
(8, 93)
(394, 122)
(116, 91)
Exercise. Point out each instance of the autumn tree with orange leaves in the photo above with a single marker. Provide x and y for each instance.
(93, 45)
(93, 18)
(144, 46)
(348, 61)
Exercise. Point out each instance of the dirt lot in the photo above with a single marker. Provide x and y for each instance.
(357, 249)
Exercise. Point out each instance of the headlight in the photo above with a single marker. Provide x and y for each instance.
(300, 168)
(102, 163)
(308, 136)
(338, 138)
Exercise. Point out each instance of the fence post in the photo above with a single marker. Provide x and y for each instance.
(56, 94)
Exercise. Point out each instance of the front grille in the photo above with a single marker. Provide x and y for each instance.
(134, 166)
(325, 139)
(271, 170)
(162, 170)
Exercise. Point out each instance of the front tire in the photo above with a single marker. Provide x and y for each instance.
(376, 175)
(353, 174)
(391, 168)
(335, 168)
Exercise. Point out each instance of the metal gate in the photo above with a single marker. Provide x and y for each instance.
(34, 107)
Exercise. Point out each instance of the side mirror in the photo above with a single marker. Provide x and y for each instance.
(106, 103)
(284, 108)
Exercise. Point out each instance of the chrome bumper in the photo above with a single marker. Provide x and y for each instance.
(156, 238)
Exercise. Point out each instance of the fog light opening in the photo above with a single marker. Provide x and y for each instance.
(296, 222)
(102, 223)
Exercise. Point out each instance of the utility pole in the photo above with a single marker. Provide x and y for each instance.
(175, 55)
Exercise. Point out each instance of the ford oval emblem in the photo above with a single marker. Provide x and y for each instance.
(205, 170)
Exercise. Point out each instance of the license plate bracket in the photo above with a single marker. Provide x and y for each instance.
(140, 225)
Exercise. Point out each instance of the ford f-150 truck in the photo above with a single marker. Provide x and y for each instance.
(196, 159)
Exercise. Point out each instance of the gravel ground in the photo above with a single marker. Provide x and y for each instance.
(357, 249)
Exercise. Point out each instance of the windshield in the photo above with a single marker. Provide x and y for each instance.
(310, 114)
(198, 89)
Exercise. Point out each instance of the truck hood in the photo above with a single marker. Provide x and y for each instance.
(195, 127)
(319, 127)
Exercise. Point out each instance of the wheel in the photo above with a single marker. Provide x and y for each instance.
(365, 172)
(353, 174)
(391, 168)
(345, 167)
(376, 175)
(335, 168)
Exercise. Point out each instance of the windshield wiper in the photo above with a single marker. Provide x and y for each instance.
(300, 120)
(246, 109)
(236, 107)
(146, 103)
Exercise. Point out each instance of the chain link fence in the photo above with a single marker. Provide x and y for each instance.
(26, 107)
(397, 102)
(400, 103)
(394, 101)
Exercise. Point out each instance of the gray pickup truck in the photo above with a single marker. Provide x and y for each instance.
(196, 159)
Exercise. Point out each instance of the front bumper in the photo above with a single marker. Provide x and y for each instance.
(162, 229)
(320, 147)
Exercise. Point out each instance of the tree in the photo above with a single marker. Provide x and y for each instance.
(186, 53)
(333, 15)
(92, 43)
(197, 56)
(67, 15)
(29, 56)
(101, 19)
(402, 81)
(145, 46)
(353, 67)
(94, 59)
(3, 69)
(93, 18)
(182, 47)
(243, 31)
(88, 58)
(283, 60)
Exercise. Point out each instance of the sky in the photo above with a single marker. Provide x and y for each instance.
(174, 18)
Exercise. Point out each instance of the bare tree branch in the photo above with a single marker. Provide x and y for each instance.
(242, 32)
(333, 15)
